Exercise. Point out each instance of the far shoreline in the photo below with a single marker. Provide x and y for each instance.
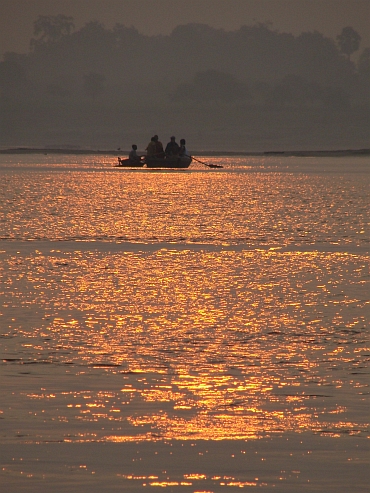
(118, 152)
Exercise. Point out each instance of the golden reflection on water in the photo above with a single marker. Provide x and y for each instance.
(115, 341)
(198, 344)
(260, 208)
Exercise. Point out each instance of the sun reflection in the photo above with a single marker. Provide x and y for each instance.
(272, 208)
(206, 344)
(192, 479)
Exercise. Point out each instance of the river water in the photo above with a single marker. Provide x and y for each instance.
(152, 308)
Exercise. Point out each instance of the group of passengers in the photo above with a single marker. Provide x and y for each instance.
(173, 149)
(155, 149)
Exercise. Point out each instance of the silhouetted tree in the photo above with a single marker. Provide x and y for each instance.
(349, 41)
(317, 58)
(127, 36)
(95, 34)
(93, 49)
(51, 29)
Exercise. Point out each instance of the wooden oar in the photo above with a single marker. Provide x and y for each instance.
(207, 164)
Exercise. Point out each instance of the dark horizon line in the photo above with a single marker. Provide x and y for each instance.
(303, 153)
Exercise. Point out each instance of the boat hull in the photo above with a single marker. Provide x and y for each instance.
(169, 162)
(126, 163)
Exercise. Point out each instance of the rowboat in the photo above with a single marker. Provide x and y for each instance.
(168, 162)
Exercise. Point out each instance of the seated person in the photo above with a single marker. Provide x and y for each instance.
(158, 147)
(133, 156)
(183, 150)
(172, 148)
(151, 149)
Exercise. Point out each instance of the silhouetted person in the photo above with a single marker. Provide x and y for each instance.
(172, 148)
(133, 154)
(151, 148)
(159, 147)
(183, 150)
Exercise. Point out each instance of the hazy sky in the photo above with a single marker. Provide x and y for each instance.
(161, 16)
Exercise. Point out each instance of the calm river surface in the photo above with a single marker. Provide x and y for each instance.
(183, 307)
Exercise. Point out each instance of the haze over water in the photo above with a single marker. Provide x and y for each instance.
(223, 311)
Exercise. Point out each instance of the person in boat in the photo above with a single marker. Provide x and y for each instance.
(151, 148)
(172, 148)
(133, 156)
(159, 151)
(183, 150)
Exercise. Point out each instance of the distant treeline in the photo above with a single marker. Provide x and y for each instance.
(196, 65)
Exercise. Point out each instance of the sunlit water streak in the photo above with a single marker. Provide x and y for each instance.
(233, 205)
(198, 304)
